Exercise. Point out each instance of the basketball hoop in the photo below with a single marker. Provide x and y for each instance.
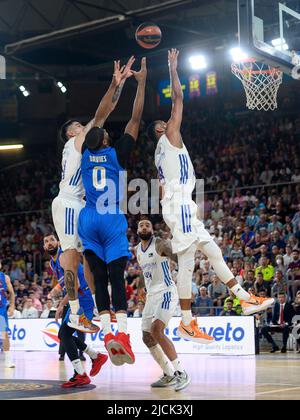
(261, 83)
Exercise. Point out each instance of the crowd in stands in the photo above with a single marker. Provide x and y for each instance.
(251, 168)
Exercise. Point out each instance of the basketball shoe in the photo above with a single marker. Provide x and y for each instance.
(81, 323)
(256, 304)
(97, 364)
(193, 333)
(77, 381)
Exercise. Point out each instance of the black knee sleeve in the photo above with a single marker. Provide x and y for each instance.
(116, 275)
(100, 273)
(66, 336)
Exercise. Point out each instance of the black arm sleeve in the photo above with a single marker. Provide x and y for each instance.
(124, 146)
(84, 147)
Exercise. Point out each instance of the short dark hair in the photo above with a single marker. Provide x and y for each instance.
(94, 138)
(63, 131)
(151, 133)
(51, 233)
(295, 250)
(145, 218)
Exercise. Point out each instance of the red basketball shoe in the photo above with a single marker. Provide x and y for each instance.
(77, 381)
(125, 349)
(97, 364)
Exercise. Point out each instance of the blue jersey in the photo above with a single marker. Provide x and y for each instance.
(3, 290)
(103, 180)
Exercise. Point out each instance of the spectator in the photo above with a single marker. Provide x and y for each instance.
(283, 314)
(217, 291)
(205, 280)
(287, 258)
(293, 273)
(203, 305)
(249, 257)
(261, 285)
(279, 285)
(49, 310)
(266, 269)
(229, 311)
(248, 237)
(29, 310)
(236, 304)
(249, 280)
(138, 313)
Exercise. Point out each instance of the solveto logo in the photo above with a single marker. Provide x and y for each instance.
(226, 333)
(50, 335)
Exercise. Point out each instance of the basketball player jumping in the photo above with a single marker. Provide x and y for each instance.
(180, 212)
(103, 225)
(68, 204)
(153, 256)
(6, 287)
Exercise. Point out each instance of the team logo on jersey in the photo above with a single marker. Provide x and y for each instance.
(150, 255)
(51, 335)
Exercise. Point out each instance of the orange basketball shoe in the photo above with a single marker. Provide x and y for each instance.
(193, 333)
(256, 304)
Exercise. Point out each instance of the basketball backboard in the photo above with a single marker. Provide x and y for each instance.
(269, 30)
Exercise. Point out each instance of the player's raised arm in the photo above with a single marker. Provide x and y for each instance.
(109, 100)
(133, 126)
(174, 124)
(11, 292)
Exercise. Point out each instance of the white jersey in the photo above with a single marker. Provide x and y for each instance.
(156, 269)
(71, 181)
(175, 168)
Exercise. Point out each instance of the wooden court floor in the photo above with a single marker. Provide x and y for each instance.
(272, 377)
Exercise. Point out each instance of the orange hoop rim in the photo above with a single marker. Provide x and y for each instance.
(235, 64)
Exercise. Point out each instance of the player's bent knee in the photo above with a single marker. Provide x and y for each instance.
(157, 330)
(148, 340)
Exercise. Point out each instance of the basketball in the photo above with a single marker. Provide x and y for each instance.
(148, 35)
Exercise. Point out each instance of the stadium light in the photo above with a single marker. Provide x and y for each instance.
(198, 62)
(24, 91)
(11, 147)
(280, 44)
(237, 54)
(62, 87)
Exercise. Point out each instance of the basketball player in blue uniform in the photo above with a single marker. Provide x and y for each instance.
(66, 334)
(70, 200)
(6, 287)
(102, 225)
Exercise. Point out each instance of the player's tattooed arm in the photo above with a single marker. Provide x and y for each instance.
(164, 249)
(71, 284)
(109, 100)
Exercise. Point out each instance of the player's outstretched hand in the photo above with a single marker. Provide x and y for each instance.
(122, 73)
(141, 75)
(173, 58)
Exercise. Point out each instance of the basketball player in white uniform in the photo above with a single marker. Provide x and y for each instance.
(177, 178)
(153, 255)
(68, 204)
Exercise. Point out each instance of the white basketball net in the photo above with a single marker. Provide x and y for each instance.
(261, 83)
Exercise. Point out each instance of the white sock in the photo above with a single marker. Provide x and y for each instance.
(74, 305)
(122, 322)
(94, 299)
(187, 317)
(160, 358)
(105, 321)
(77, 365)
(177, 366)
(91, 352)
(240, 293)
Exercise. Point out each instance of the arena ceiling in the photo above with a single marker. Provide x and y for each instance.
(80, 38)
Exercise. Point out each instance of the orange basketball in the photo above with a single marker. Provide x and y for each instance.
(148, 35)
